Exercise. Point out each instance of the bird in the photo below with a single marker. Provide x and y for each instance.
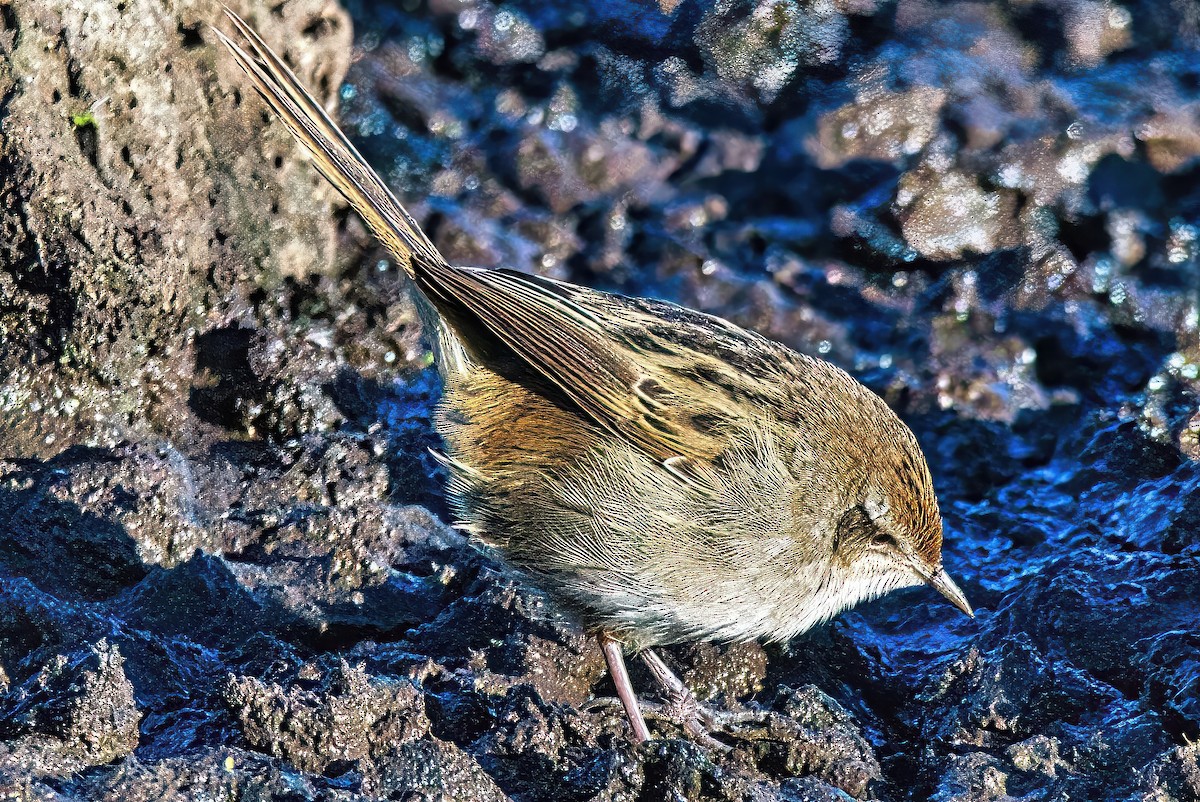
(660, 474)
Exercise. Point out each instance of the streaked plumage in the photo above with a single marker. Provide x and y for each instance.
(663, 474)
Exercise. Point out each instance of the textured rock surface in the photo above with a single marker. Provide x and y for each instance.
(224, 567)
(77, 711)
(140, 205)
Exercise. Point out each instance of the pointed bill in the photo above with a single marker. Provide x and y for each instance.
(943, 584)
(939, 580)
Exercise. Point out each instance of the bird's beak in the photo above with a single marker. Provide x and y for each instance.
(940, 581)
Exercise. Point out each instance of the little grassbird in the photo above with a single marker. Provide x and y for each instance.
(661, 474)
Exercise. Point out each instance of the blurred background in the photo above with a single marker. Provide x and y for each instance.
(224, 561)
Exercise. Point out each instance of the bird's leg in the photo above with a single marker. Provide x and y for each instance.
(681, 702)
(682, 705)
(620, 678)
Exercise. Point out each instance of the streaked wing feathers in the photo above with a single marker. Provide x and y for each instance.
(568, 345)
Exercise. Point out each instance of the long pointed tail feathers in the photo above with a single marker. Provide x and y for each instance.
(331, 152)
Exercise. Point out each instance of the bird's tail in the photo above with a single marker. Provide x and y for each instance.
(332, 153)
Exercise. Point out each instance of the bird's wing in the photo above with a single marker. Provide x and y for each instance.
(564, 342)
(658, 375)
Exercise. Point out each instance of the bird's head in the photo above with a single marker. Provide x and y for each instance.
(889, 534)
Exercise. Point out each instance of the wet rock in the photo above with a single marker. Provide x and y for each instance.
(130, 508)
(607, 774)
(973, 777)
(77, 711)
(815, 736)
(729, 673)
(201, 598)
(435, 771)
(212, 773)
(880, 125)
(1040, 755)
(1124, 453)
(677, 769)
(807, 789)
(1010, 693)
(755, 48)
(946, 215)
(348, 717)
(330, 569)
(1175, 776)
(1083, 605)
(36, 628)
(1171, 667)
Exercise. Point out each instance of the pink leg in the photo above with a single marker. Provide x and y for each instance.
(672, 685)
(620, 678)
(682, 705)
(679, 697)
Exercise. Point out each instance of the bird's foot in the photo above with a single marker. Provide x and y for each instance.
(701, 722)
(682, 707)
(697, 720)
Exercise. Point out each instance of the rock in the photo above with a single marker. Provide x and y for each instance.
(808, 789)
(1008, 694)
(1170, 664)
(1171, 139)
(944, 216)
(729, 673)
(816, 736)
(678, 769)
(572, 167)
(506, 36)
(1039, 754)
(328, 570)
(755, 51)
(435, 771)
(78, 711)
(1094, 30)
(211, 773)
(133, 508)
(1175, 776)
(349, 717)
(973, 777)
(124, 144)
(880, 125)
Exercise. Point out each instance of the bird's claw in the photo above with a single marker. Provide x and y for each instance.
(699, 721)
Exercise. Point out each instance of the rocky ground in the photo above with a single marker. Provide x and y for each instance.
(225, 570)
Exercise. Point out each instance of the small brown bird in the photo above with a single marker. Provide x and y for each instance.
(662, 474)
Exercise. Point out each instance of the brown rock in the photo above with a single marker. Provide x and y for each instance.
(887, 127)
(139, 202)
(77, 711)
